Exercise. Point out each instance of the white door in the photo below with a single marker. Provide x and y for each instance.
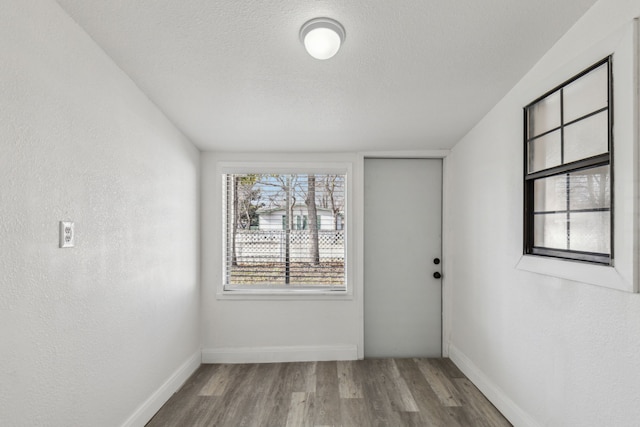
(402, 240)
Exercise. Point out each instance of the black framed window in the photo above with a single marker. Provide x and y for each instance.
(568, 169)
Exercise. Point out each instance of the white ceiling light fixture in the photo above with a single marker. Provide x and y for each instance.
(322, 37)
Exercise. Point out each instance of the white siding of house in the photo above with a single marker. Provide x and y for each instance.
(273, 220)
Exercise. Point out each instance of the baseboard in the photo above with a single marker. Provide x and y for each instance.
(148, 409)
(279, 354)
(516, 415)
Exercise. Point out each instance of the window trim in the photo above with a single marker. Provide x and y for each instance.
(299, 292)
(623, 273)
(605, 159)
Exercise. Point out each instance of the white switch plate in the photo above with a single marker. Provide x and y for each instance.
(67, 234)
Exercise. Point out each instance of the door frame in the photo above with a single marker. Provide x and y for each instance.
(359, 265)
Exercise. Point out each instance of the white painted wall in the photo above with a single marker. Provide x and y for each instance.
(548, 351)
(89, 334)
(264, 328)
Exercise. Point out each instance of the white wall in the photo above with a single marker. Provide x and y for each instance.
(88, 334)
(548, 351)
(280, 329)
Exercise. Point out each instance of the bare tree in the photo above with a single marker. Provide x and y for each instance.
(334, 185)
(248, 199)
(312, 212)
(243, 194)
(286, 183)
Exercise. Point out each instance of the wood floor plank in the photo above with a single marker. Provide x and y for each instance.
(405, 399)
(184, 400)
(200, 414)
(354, 413)
(478, 406)
(231, 402)
(327, 396)
(198, 379)
(411, 419)
(294, 377)
(191, 414)
(277, 414)
(448, 368)
(431, 410)
(309, 369)
(349, 388)
(377, 384)
(459, 416)
(299, 409)
(218, 381)
(441, 385)
(301, 376)
(256, 402)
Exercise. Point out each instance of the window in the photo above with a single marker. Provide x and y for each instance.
(297, 234)
(568, 197)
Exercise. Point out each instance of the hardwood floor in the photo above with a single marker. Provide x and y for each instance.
(373, 392)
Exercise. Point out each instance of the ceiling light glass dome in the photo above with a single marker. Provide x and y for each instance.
(322, 37)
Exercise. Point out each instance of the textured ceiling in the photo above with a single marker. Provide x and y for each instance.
(412, 74)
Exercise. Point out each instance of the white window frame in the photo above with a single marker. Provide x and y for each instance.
(622, 274)
(291, 168)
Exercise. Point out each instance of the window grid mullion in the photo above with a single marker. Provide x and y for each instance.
(568, 198)
(588, 210)
(591, 162)
(562, 126)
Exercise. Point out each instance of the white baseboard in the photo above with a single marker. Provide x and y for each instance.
(279, 354)
(516, 415)
(148, 409)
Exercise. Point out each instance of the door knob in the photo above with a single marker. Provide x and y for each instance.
(436, 261)
(437, 275)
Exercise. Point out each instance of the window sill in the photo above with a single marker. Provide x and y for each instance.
(592, 274)
(284, 294)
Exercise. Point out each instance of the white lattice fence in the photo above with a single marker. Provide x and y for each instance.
(260, 246)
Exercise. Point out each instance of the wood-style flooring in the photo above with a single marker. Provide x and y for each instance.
(373, 392)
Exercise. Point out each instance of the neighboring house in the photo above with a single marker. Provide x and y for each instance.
(275, 218)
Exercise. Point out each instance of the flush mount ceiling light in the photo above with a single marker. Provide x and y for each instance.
(322, 37)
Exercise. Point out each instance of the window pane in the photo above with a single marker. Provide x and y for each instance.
(268, 240)
(590, 232)
(586, 95)
(544, 115)
(550, 194)
(590, 188)
(586, 138)
(544, 152)
(550, 231)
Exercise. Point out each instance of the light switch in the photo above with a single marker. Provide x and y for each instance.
(67, 234)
